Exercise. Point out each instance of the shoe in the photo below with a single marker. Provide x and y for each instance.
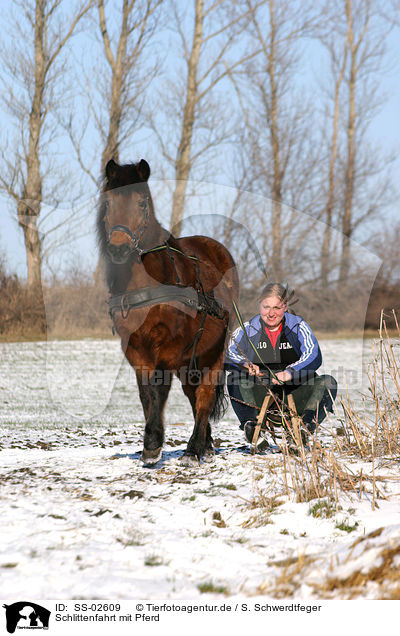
(249, 428)
(309, 421)
(292, 445)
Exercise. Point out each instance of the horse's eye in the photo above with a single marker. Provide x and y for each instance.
(106, 204)
(143, 204)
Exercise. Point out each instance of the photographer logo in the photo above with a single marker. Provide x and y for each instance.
(26, 615)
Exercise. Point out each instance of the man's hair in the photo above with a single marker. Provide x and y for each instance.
(276, 289)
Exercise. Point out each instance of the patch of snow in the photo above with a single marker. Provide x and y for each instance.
(83, 518)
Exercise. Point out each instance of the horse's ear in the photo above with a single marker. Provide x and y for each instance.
(143, 169)
(111, 170)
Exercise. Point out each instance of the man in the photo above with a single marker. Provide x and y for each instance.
(277, 353)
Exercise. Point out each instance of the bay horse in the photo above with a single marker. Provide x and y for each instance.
(171, 302)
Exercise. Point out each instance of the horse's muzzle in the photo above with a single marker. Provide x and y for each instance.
(119, 254)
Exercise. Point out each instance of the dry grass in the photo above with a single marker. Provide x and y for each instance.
(327, 474)
(77, 308)
(375, 431)
(73, 307)
(383, 574)
(22, 311)
(370, 435)
(289, 578)
(378, 580)
(264, 506)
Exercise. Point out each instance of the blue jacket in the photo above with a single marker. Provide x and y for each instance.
(298, 334)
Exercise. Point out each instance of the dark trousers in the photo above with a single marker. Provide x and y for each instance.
(316, 396)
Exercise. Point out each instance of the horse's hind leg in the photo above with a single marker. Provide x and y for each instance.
(190, 458)
(200, 444)
(153, 395)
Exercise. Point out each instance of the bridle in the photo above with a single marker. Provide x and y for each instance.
(135, 238)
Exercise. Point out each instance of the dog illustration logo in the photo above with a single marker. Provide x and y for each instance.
(26, 615)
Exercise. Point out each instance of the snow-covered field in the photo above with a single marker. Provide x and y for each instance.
(81, 517)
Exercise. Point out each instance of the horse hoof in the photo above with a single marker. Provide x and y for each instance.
(151, 456)
(190, 461)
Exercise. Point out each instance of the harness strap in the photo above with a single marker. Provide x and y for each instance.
(172, 259)
(146, 296)
(152, 296)
(166, 246)
(193, 363)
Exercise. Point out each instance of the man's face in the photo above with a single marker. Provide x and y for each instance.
(272, 310)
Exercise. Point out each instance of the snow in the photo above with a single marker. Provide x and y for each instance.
(81, 517)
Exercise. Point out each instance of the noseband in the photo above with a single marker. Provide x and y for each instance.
(134, 237)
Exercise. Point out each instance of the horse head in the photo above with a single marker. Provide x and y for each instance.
(127, 210)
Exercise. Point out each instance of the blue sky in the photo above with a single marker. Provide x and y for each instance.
(385, 130)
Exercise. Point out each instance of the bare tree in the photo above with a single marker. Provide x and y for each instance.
(357, 188)
(116, 94)
(386, 245)
(208, 31)
(128, 81)
(31, 79)
(278, 140)
(338, 67)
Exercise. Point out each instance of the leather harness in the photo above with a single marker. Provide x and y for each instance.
(188, 296)
(197, 299)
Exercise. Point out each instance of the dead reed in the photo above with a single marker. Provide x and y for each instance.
(370, 434)
(374, 430)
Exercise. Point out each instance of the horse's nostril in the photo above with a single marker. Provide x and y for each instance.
(118, 253)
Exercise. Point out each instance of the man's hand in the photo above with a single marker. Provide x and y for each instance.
(253, 369)
(282, 376)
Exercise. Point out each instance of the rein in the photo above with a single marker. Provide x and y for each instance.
(165, 246)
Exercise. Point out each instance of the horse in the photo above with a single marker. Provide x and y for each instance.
(171, 302)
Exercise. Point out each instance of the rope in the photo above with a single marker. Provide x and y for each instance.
(158, 248)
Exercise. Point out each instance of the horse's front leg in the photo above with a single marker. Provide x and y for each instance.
(153, 391)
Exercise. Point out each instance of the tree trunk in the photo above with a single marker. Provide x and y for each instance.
(116, 62)
(276, 260)
(30, 204)
(183, 160)
(33, 249)
(111, 149)
(326, 244)
(350, 166)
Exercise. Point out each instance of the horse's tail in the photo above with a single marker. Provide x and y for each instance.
(221, 400)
